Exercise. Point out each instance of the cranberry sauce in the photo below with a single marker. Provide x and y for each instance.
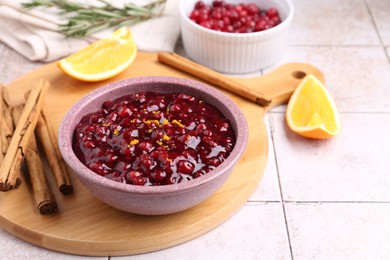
(234, 18)
(151, 138)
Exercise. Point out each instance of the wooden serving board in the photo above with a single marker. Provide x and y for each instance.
(86, 226)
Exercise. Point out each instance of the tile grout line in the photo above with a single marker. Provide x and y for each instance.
(256, 202)
(280, 187)
(251, 202)
(376, 29)
(373, 22)
(336, 202)
(348, 112)
(336, 45)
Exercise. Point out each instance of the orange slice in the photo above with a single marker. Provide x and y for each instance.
(102, 59)
(311, 110)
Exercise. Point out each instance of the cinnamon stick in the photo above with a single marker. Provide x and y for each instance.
(9, 177)
(6, 123)
(213, 77)
(1, 120)
(6, 135)
(7, 114)
(47, 138)
(44, 198)
(15, 167)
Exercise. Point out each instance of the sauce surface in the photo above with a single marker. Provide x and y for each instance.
(150, 138)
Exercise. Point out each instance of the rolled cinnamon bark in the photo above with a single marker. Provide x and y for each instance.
(6, 135)
(2, 131)
(7, 124)
(44, 198)
(7, 114)
(48, 140)
(9, 177)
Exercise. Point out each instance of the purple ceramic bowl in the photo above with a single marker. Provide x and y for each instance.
(153, 200)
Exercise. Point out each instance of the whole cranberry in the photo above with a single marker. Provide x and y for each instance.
(184, 166)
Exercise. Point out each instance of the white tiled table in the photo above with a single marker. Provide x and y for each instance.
(318, 199)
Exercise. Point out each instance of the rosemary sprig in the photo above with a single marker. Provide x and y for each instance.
(83, 20)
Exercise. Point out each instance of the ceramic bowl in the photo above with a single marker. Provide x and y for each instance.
(235, 53)
(153, 200)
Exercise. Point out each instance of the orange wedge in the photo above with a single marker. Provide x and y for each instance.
(102, 59)
(311, 110)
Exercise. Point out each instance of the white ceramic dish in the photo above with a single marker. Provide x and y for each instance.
(235, 53)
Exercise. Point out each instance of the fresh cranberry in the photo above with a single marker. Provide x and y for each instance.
(252, 9)
(272, 12)
(217, 3)
(234, 18)
(199, 5)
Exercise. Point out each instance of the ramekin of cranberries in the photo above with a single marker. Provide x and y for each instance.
(153, 145)
(233, 36)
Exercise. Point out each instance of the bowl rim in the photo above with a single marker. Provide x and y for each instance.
(269, 31)
(66, 129)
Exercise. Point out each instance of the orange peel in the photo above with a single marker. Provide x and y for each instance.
(102, 59)
(311, 111)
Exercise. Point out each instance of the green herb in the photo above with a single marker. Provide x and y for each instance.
(83, 20)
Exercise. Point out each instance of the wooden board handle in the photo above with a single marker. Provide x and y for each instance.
(211, 76)
(280, 83)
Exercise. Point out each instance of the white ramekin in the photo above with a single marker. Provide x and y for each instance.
(233, 52)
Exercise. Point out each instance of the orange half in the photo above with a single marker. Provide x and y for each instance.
(311, 110)
(102, 59)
